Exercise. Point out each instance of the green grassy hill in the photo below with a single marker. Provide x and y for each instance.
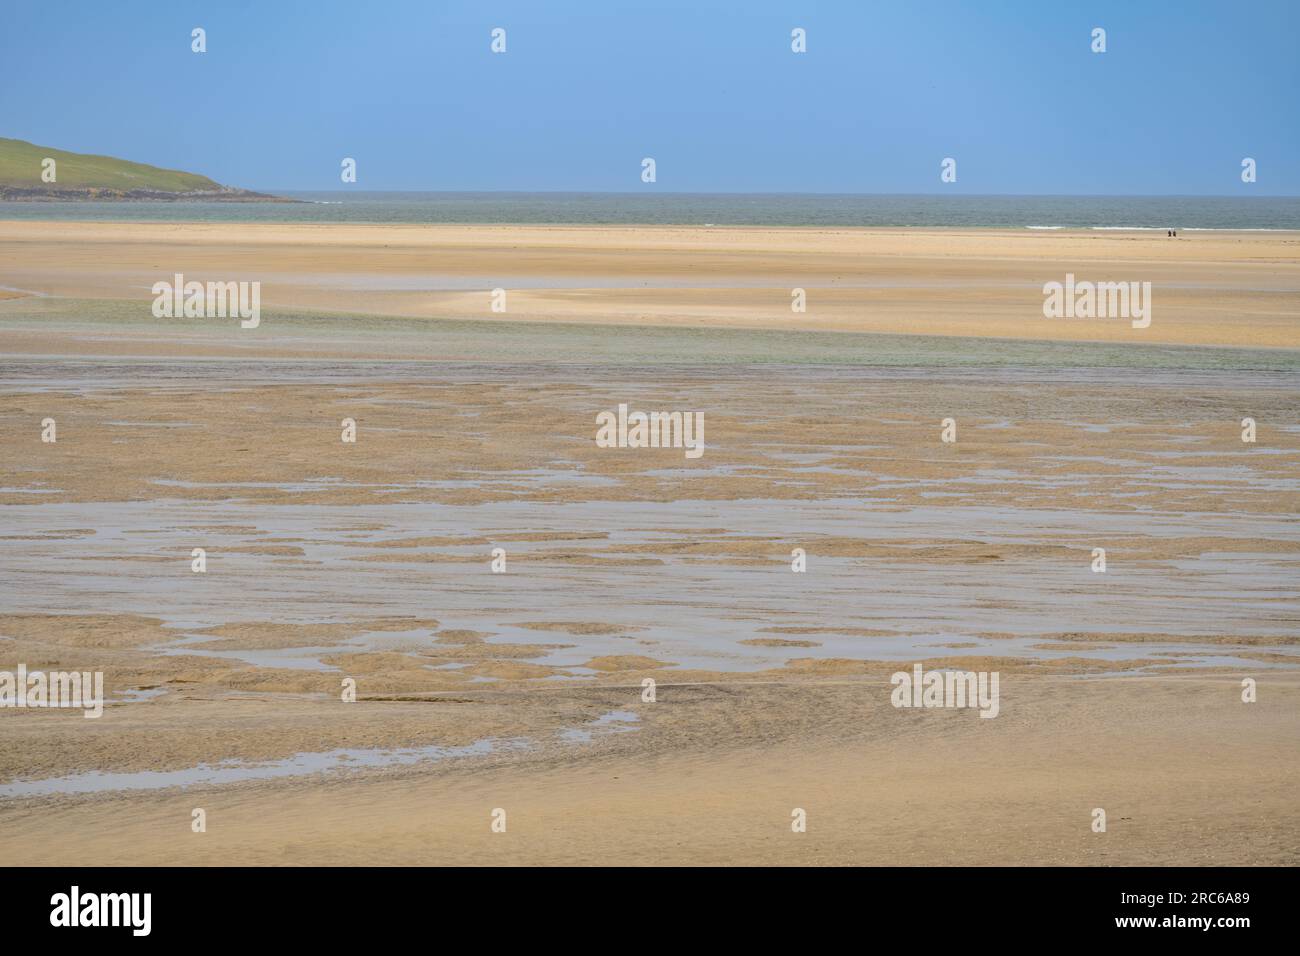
(20, 165)
(84, 176)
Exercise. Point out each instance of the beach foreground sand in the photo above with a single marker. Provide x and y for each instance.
(523, 691)
(1186, 773)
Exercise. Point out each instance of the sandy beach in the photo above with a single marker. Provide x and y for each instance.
(1210, 288)
(1187, 774)
(523, 690)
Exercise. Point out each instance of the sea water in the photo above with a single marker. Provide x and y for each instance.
(708, 209)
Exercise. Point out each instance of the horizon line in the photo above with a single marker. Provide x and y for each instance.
(777, 192)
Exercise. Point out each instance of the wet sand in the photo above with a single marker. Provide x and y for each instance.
(479, 690)
(523, 690)
(911, 542)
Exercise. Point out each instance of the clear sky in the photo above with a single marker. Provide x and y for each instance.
(709, 88)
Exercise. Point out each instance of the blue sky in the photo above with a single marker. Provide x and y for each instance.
(708, 88)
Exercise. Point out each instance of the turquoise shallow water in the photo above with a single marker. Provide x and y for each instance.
(720, 209)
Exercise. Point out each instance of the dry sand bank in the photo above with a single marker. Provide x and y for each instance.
(1232, 289)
